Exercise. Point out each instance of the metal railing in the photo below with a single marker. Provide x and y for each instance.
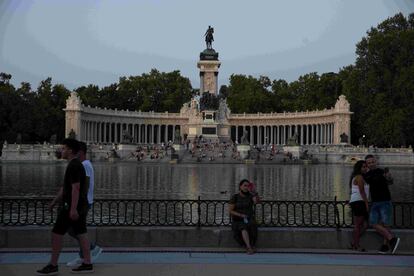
(137, 212)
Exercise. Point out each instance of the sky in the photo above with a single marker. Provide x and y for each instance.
(81, 42)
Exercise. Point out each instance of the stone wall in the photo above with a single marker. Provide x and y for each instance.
(101, 152)
(221, 237)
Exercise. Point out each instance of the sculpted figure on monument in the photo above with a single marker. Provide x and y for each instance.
(294, 140)
(243, 139)
(72, 134)
(126, 137)
(209, 37)
(177, 138)
(344, 138)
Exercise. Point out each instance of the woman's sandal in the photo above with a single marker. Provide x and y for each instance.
(249, 251)
(356, 248)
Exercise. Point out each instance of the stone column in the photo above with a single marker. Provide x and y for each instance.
(99, 132)
(92, 131)
(109, 132)
(330, 133)
(257, 134)
(117, 130)
(321, 134)
(152, 138)
(277, 135)
(89, 132)
(165, 134)
(159, 134)
(85, 129)
(271, 134)
(237, 134)
(311, 134)
(251, 135)
(104, 132)
(139, 133)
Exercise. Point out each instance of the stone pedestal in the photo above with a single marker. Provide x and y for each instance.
(178, 151)
(209, 65)
(294, 150)
(125, 150)
(243, 150)
(178, 147)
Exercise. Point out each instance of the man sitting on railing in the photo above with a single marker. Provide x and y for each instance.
(241, 209)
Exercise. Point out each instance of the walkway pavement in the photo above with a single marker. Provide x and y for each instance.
(190, 261)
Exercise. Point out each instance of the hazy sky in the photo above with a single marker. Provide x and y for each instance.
(77, 42)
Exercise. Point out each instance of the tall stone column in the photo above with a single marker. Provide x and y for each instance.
(271, 134)
(104, 132)
(319, 134)
(330, 133)
(117, 129)
(93, 131)
(165, 134)
(302, 134)
(278, 135)
(251, 135)
(209, 65)
(73, 115)
(99, 132)
(311, 135)
(139, 134)
(90, 132)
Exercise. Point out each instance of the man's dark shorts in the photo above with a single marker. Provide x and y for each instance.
(63, 223)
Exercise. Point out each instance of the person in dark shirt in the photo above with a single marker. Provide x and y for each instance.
(72, 212)
(241, 209)
(381, 207)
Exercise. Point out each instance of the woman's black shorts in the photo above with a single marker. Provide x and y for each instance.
(359, 209)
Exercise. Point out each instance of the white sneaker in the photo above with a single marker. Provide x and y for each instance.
(95, 253)
(75, 262)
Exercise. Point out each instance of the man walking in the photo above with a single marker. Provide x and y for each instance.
(72, 212)
(90, 179)
(381, 207)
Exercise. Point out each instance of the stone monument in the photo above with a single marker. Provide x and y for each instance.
(244, 147)
(293, 148)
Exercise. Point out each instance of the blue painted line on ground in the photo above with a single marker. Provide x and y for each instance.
(220, 258)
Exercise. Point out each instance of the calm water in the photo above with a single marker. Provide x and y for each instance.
(188, 181)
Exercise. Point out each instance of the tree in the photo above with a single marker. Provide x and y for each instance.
(381, 83)
(248, 94)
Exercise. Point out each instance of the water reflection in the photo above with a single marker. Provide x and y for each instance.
(188, 181)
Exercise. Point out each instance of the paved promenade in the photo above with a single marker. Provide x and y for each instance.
(191, 261)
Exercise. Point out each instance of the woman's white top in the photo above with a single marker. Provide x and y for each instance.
(355, 194)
